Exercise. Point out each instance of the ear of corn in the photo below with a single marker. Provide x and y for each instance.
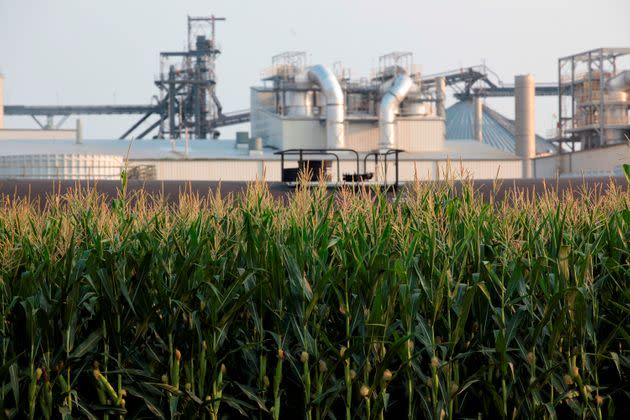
(434, 304)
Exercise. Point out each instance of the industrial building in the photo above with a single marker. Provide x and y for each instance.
(347, 126)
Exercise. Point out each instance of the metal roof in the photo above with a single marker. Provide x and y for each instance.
(220, 150)
(498, 130)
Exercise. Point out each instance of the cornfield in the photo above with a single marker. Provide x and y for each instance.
(435, 303)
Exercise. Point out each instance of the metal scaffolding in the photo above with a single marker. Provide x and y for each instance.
(589, 113)
(187, 104)
(187, 83)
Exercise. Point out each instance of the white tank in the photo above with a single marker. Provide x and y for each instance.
(62, 166)
(299, 104)
(410, 108)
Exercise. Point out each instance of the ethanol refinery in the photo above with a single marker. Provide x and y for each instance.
(390, 126)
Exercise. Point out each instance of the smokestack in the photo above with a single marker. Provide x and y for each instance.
(524, 113)
(478, 105)
(1, 101)
(440, 86)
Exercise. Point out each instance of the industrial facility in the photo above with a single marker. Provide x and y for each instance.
(390, 126)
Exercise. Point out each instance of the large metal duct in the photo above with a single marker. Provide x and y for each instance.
(524, 89)
(620, 82)
(335, 110)
(388, 108)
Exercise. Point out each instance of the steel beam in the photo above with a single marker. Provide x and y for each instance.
(53, 110)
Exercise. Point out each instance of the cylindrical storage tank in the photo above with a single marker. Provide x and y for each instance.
(524, 90)
(413, 107)
(440, 88)
(256, 144)
(478, 118)
(616, 104)
(62, 166)
(620, 82)
(616, 115)
(299, 104)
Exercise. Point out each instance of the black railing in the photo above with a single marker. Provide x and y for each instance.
(289, 175)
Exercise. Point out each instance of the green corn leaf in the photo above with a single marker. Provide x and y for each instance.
(462, 317)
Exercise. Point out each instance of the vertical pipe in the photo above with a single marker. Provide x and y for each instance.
(524, 113)
(573, 124)
(440, 86)
(601, 112)
(171, 102)
(1, 101)
(478, 122)
(79, 132)
(197, 105)
(560, 133)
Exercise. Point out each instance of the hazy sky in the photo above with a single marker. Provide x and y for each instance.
(101, 52)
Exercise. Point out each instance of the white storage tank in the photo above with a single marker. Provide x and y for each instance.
(61, 166)
(299, 104)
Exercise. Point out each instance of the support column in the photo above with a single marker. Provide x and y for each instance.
(79, 132)
(440, 87)
(478, 105)
(1, 101)
(524, 113)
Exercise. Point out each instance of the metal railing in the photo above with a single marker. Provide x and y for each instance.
(357, 178)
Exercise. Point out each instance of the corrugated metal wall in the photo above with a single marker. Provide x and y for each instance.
(412, 134)
(420, 135)
(249, 170)
(606, 160)
(362, 135)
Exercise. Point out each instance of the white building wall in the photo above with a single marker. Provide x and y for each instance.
(28, 134)
(303, 134)
(412, 134)
(203, 170)
(420, 135)
(262, 124)
(249, 170)
(603, 161)
(362, 135)
(61, 166)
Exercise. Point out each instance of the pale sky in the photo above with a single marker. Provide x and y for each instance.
(86, 52)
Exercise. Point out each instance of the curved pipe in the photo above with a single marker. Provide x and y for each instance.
(335, 110)
(388, 108)
(620, 81)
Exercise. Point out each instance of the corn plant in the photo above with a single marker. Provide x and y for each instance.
(435, 302)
